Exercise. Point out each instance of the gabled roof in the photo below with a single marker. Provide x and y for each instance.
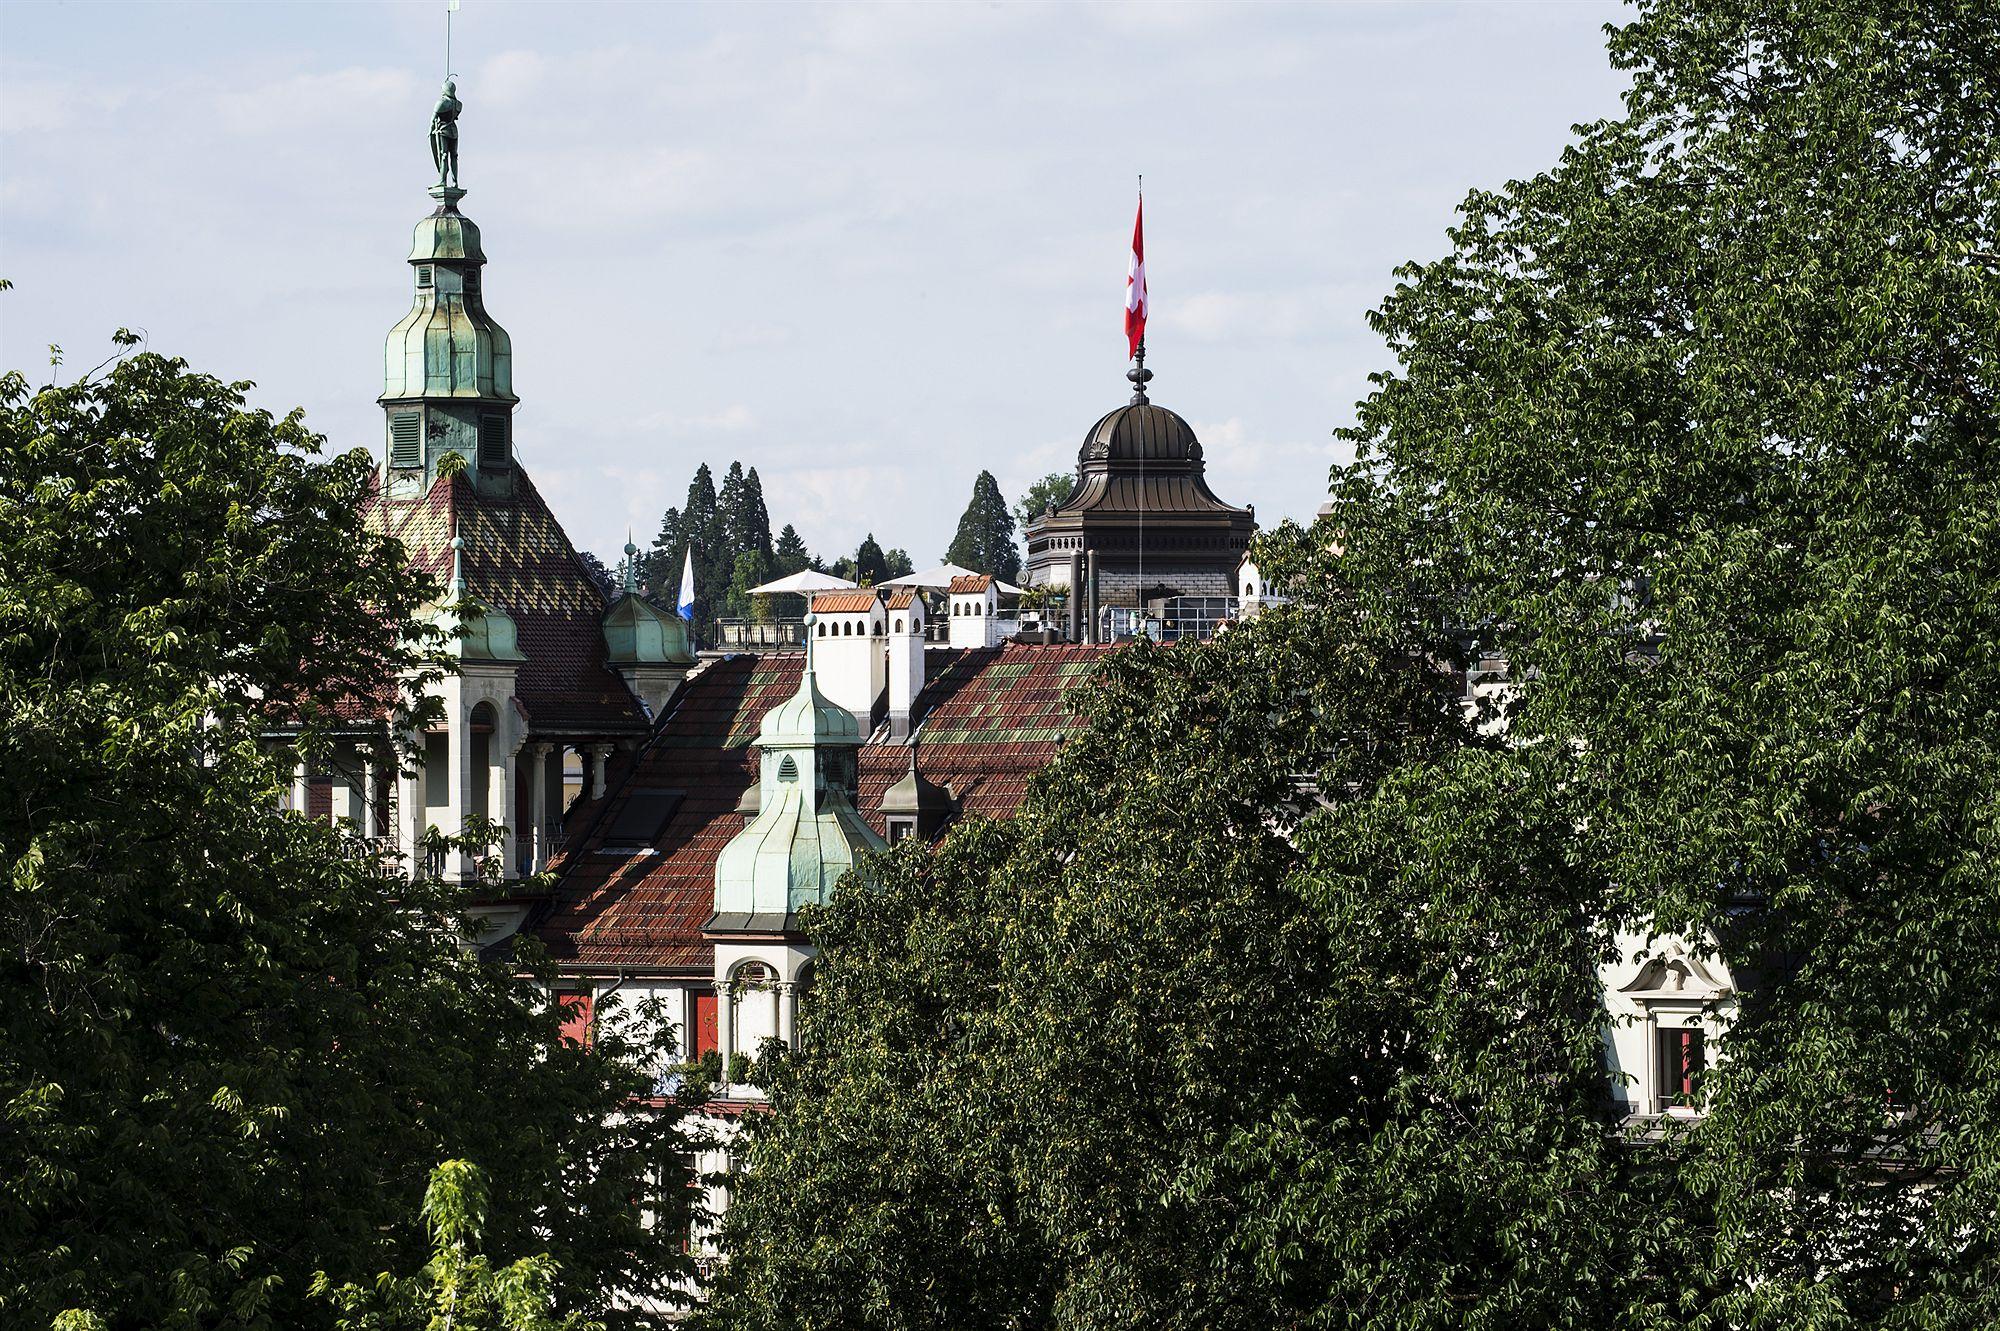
(840, 603)
(971, 584)
(902, 599)
(987, 721)
(519, 560)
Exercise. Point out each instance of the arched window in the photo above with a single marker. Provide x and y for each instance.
(899, 623)
(822, 629)
(788, 768)
(878, 628)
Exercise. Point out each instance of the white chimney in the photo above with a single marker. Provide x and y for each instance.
(848, 660)
(1250, 583)
(975, 608)
(906, 658)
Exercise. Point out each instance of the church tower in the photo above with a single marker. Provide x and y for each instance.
(552, 671)
(448, 376)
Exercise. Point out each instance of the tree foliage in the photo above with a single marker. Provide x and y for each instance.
(1043, 495)
(985, 539)
(459, 1288)
(1317, 1077)
(1705, 423)
(1699, 430)
(233, 1043)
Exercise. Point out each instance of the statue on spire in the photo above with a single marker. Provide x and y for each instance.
(444, 134)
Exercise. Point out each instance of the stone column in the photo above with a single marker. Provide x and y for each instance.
(788, 1013)
(598, 753)
(299, 782)
(364, 821)
(457, 863)
(538, 804)
(725, 1026)
(408, 829)
(500, 801)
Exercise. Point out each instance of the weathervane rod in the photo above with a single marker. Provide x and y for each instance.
(450, 7)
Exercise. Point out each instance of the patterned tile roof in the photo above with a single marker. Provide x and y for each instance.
(518, 559)
(970, 584)
(835, 603)
(988, 720)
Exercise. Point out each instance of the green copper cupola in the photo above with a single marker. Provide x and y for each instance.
(447, 383)
(806, 836)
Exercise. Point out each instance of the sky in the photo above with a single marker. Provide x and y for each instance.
(868, 249)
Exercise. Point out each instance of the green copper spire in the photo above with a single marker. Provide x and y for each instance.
(806, 836)
(448, 376)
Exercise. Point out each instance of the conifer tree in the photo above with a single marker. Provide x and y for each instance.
(870, 564)
(985, 539)
(756, 531)
(790, 554)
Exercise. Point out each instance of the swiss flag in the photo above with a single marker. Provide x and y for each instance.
(1135, 284)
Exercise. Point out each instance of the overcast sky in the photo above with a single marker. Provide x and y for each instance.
(867, 249)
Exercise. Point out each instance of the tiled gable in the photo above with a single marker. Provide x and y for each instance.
(519, 560)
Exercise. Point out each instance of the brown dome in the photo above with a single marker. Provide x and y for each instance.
(1140, 432)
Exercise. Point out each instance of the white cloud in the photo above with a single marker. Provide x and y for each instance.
(867, 249)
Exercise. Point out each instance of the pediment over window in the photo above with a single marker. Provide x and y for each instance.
(1676, 975)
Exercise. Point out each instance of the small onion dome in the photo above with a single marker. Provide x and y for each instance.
(1140, 432)
(636, 632)
(807, 718)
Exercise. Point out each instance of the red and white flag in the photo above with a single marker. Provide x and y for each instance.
(1135, 284)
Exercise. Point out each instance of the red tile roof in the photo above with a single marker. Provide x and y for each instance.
(518, 559)
(970, 584)
(825, 603)
(988, 720)
(902, 598)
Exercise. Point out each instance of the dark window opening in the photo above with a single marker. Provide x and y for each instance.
(493, 439)
(423, 276)
(1683, 1060)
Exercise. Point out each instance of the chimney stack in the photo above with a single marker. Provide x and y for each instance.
(906, 658)
(848, 631)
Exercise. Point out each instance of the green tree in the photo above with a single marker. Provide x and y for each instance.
(233, 1043)
(985, 539)
(1044, 494)
(754, 523)
(870, 564)
(1702, 424)
(751, 570)
(790, 555)
(1186, 1045)
(896, 563)
(459, 1287)
(697, 524)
